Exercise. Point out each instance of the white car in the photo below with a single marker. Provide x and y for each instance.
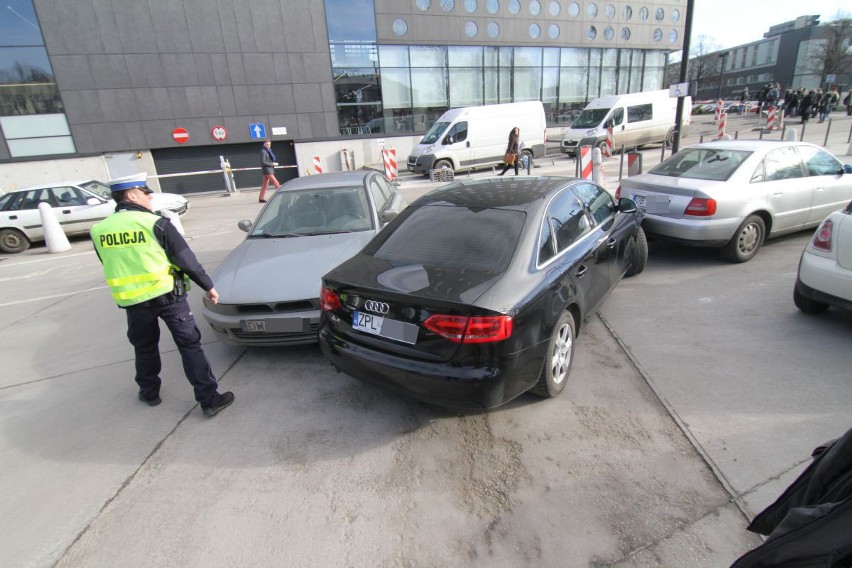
(825, 269)
(78, 205)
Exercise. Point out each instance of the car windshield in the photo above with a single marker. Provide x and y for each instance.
(317, 211)
(710, 164)
(97, 188)
(434, 133)
(590, 118)
(457, 238)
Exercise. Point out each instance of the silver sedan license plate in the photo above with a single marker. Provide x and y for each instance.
(253, 326)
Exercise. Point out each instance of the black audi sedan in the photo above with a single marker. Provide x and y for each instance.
(475, 293)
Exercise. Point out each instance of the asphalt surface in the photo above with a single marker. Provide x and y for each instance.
(696, 397)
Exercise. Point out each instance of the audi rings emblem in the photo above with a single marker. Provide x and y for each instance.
(376, 307)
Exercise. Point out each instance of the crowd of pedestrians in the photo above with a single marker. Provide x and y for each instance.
(804, 103)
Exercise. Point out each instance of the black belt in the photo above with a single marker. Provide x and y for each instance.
(158, 302)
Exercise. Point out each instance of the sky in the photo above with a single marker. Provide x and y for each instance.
(729, 23)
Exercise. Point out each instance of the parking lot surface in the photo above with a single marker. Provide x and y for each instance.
(695, 399)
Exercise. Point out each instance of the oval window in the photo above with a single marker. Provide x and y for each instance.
(400, 28)
(493, 30)
(470, 29)
(553, 31)
(592, 32)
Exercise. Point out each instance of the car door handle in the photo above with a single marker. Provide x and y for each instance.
(581, 271)
(778, 194)
(611, 243)
(820, 189)
(66, 211)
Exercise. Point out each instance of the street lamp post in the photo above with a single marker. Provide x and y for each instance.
(722, 57)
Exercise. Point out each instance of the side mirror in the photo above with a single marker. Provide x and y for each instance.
(94, 201)
(847, 169)
(627, 205)
(244, 225)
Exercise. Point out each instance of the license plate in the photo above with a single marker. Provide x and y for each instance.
(368, 323)
(253, 326)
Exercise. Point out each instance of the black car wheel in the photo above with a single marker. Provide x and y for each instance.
(807, 305)
(638, 254)
(747, 240)
(560, 355)
(12, 241)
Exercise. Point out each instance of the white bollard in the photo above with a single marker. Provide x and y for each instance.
(174, 218)
(54, 236)
(791, 135)
(597, 176)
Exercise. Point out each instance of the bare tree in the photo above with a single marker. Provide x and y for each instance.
(703, 62)
(834, 54)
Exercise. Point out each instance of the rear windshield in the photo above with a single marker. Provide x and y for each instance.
(702, 163)
(590, 118)
(449, 237)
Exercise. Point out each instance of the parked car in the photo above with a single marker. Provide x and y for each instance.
(78, 205)
(734, 194)
(475, 293)
(825, 269)
(269, 285)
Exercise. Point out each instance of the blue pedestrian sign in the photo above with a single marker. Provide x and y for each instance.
(257, 131)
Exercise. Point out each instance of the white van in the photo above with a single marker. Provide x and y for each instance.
(476, 137)
(637, 119)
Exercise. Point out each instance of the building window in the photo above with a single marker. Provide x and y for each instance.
(573, 9)
(592, 10)
(609, 11)
(535, 7)
(643, 13)
(492, 29)
(555, 8)
(423, 4)
(514, 7)
(535, 31)
(400, 28)
(470, 6)
(592, 32)
(493, 6)
(553, 31)
(470, 29)
(628, 12)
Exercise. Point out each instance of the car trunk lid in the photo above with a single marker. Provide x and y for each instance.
(844, 240)
(666, 197)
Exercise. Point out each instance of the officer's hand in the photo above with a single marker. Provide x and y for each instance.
(213, 295)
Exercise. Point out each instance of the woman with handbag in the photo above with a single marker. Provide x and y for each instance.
(511, 156)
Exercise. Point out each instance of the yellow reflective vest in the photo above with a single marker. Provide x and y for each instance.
(136, 267)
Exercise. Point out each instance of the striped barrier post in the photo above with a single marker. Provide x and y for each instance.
(634, 164)
(770, 118)
(586, 162)
(720, 104)
(779, 120)
(389, 157)
(317, 165)
(608, 149)
(723, 119)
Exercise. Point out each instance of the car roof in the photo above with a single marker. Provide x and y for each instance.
(331, 179)
(76, 182)
(750, 145)
(523, 193)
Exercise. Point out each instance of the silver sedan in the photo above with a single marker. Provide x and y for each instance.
(269, 286)
(735, 194)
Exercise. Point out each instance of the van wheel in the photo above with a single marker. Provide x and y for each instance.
(13, 241)
(602, 147)
(442, 165)
(670, 139)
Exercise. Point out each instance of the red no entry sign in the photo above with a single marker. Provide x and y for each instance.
(180, 135)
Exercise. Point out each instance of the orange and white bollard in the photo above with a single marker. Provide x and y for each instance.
(389, 157)
(586, 162)
(779, 120)
(608, 148)
(723, 119)
(317, 165)
(720, 104)
(770, 118)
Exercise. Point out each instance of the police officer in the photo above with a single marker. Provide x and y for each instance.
(147, 265)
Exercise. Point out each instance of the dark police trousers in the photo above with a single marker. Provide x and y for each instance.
(143, 331)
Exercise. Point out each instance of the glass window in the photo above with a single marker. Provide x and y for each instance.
(393, 56)
(429, 87)
(625, 33)
(458, 133)
(568, 219)
(572, 84)
(609, 33)
(396, 88)
(553, 31)
(546, 247)
(27, 84)
(699, 163)
(598, 201)
(464, 56)
(493, 6)
(819, 162)
(350, 20)
(783, 163)
(673, 36)
(528, 56)
(470, 29)
(380, 192)
(591, 32)
(609, 11)
(514, 6)
(643, 13)
(448, 5)
(658, 35)
(493, 30)
(535, 31)
(535, 7)
(400, 28)
(638, 113)
(660, 14)
(470, 6)
(573, 9)
(465, 87)
(30, 200)
(423, 4)
(68, 196)
(675, 15)
(427, 56)
(628, 12)
(527, 83)
(592, 10)
(554, 8)
(550, 56)
(5, 200)
(19, 24)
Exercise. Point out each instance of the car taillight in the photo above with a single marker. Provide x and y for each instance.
(618, 193)
(329, 300)
(822, 238)
(475, 329)
(701, 207)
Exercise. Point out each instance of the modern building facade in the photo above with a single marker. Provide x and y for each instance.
(169, 86)
(789, 54)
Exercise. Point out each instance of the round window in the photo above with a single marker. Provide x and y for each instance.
(628, 12)
(424, 4)
(625, 33)
(400, 28)
(658, 34)
(493, 30)
(448, 5)
(535, 7)
(660, 15)
(592, 10)
(675, 15)
(470, 29)
(553, 31)
(514, 6)
(592, 32)
(573, 9)
(609, 33)
(609, 11)
(493, 6)
(673, 36)
(470, 6)
(643, 13)
(554, 8)
(535, 31)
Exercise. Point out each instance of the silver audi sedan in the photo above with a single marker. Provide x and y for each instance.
(269, 286)
(734, 194)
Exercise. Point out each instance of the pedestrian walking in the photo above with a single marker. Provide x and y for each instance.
(848, 102)
(268, 161)
(743, 100)
(806, 104)
(511, 155)
(148, 265)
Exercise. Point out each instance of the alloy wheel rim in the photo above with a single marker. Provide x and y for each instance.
(562, 354)
(749, 238)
